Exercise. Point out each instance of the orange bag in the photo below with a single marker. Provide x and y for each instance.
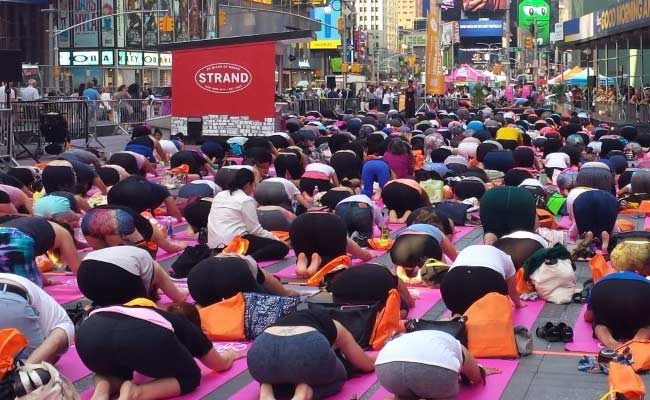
(11, 343)
(340, 261)
(523, 286)
(490, 331)
(224, 320)
(375, 244)
(622, 379)
(387, 322)
(624, 225)
(237, 245)
(44, 263)
(546, 219)
(418, 159)
(599, 267)
(181, 169)
(640, 350)
(281, 235)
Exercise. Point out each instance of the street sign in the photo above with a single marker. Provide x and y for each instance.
(514, 49)
(351, 47)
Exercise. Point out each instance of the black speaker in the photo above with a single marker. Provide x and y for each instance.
(11, 66)
(331, 82)
(591, 81)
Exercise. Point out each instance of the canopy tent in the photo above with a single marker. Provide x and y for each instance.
(565, 75)
(465, 73)
(581, 78)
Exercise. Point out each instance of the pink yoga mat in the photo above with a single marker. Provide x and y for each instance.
(461, 231)
(493, 389)
(264, 264)
(565, 223)
(646, 224)
(71, 366)
(583, 341)
(210, 380)
(427, 299)
(290, 271)
(67, 291)
(521, 316)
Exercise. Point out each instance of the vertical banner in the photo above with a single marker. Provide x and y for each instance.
(63, 22)
(196, 20)
(108, 24)
(86, 35)
(134, 24)
(211, 19)
(181, 20)
(166, 24)
(434, 80)
(150, 24)
(120, 24)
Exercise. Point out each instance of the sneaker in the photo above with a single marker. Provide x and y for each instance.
(360, 239)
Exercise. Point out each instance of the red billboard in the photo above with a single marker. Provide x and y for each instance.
(234, 80)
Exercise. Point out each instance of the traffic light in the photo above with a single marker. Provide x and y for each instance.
(166, 24)
(222, 18)
(401, 61)
(529, 42)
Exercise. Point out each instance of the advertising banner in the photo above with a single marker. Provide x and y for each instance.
(108, 24)
(120, 25)
(536, 14)
(225, 80)
(480, 28)
(150, 38)
(433, 73)
(134, 24)
(327, 37)
(196, 18)
(63, 22)
(86, 35)
(166, 22)
(181, 20)
(621, 17)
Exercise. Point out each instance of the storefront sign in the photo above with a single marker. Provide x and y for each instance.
(622, 16)
(150, 59)
(86, 35)
(480, 28)
(107, 57)
(203, 87)
(579, 28)
(328, 36)
(85, 58)
(165, 59)
(129, 58)
(108, 23)
(64, 58)
(63, 22)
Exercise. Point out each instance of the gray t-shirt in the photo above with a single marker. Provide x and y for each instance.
(132, 259)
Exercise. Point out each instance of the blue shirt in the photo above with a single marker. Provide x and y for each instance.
(426, 229)
(91, 94)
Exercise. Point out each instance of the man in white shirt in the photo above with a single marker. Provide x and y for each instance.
(3, 96)
(45, 324)
(29, 92)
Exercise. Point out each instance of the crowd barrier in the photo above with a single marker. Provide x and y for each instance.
(331, 107)
(622, 112)
(6, 129)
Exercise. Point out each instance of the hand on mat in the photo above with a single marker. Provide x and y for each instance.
(50, 282)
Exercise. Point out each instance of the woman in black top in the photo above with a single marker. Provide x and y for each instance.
(141, 195)
(198, 163)
(298, 353)
(117, 341)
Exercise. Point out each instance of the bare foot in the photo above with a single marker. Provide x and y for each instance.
(489, 238)
(303, 392)
(605, 239)
(129, 391)
(266, 392)
(301, 265)
(314, 265)
(102, 390)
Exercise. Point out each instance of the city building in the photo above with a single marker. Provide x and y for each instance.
(380, 19)
(407, 12)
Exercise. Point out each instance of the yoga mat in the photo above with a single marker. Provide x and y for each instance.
(210, 380)
(427, 299)
(583, 341)
(493, 389)
(646, 224)
(66, 291)
(462, 231)
(164, 300)
(564, 223)
(264, 264)
(71, 366)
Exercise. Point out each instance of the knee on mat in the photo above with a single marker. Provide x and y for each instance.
(190, 380)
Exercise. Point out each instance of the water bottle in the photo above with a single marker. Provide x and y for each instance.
(170, 228)
(316, 191)
(383, 238)
(543, 178)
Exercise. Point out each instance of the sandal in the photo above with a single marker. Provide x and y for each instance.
(566, 332)
(548, 332)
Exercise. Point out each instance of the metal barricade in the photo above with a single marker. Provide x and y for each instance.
(132, 112)
(6, 140)
(331, 107)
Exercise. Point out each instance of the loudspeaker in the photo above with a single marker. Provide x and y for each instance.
(591, 81)
(331, 82)
(11, 66)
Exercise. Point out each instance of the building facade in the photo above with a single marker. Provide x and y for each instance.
(380, 19)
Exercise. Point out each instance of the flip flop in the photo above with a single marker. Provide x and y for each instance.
(548, 332)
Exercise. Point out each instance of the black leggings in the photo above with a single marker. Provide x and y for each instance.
(411, 250)
(308, 185)
(273, 220)
(117, 345)
(217, 278)
(507, 209)
(463, 286)
(107, 284)
(621, 306)
(518, 249)
(319, 232)
(288, 163)
(126, 161)
(59, 178)
(264, 249)
(347, 165)
(272, 194)
(401, 198)
(357, 216)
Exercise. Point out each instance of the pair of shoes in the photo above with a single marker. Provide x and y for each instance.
(555, 332)
(360, 239)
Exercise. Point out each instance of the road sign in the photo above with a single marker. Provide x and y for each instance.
(350, 47)
(514, 49)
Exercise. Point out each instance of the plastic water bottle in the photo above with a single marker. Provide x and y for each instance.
(170, 228)
(383, 238)
(316, 191)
